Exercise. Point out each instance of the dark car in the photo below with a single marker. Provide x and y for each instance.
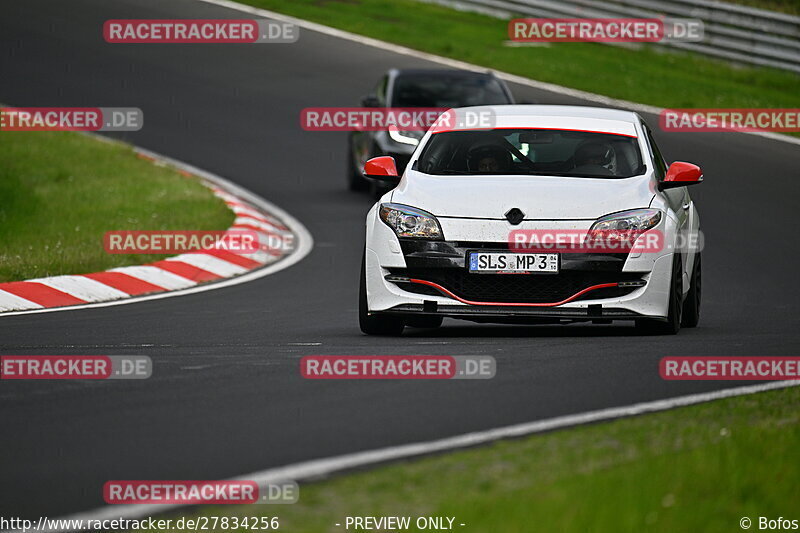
(441, 88)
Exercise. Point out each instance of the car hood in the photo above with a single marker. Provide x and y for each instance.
(539, 197)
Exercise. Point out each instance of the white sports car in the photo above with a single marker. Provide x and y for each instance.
(502, 224)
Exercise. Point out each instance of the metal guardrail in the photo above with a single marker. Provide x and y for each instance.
(733, 32)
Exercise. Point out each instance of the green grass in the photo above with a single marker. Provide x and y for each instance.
(649, 75)
(698, 468)
(60, 192)
(784, 6)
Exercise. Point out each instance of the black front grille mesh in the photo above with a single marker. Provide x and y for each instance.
(522, 288)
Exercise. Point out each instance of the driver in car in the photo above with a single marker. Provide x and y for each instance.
(489, 159)
(591, 158)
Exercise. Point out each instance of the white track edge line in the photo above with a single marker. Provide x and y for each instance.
(317, 468)
(455, 63)
(303, 239)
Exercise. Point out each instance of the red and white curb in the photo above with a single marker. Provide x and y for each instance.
(181, 274)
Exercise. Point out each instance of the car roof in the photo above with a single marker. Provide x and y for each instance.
(597, 119)
(437, 72)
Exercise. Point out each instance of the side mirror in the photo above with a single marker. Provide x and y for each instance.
(681, 174)
(382, 168)
(370, 101)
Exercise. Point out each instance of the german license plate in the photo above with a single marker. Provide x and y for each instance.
(512, 263)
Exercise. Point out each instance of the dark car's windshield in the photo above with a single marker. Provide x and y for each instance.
(532, 152)
(411, 90)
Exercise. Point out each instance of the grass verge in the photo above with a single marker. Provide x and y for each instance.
(698, 468)
(649, 75)
(62, 191)
(792, 7)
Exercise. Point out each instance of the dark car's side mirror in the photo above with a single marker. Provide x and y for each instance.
(681, 174)
(370, 101)
(382, 168)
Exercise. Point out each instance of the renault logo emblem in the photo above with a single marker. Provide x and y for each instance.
(515, 216)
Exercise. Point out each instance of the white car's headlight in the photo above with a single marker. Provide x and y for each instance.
(405, 137)
(625, 225)
(410, 222)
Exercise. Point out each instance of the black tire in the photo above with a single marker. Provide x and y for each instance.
(355, 181)
(691, 305)
(430, 322)
(375, 324)
(672, 325)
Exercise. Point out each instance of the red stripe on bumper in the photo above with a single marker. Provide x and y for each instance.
(514, 304)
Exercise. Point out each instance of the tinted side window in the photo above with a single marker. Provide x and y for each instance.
(380, 90)
(658, 159)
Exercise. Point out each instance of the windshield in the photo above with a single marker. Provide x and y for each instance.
(532, 152)
(447, 91)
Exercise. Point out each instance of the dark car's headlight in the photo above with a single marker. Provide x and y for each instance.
(405, 137)
(410, 222)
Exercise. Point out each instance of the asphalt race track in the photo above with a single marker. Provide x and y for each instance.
(226, 397)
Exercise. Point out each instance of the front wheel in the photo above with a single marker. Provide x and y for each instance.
(374, 324)
(691, 306)
(672, 324)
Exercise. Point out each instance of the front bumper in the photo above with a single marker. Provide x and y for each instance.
(433, 280)
(517, 315)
